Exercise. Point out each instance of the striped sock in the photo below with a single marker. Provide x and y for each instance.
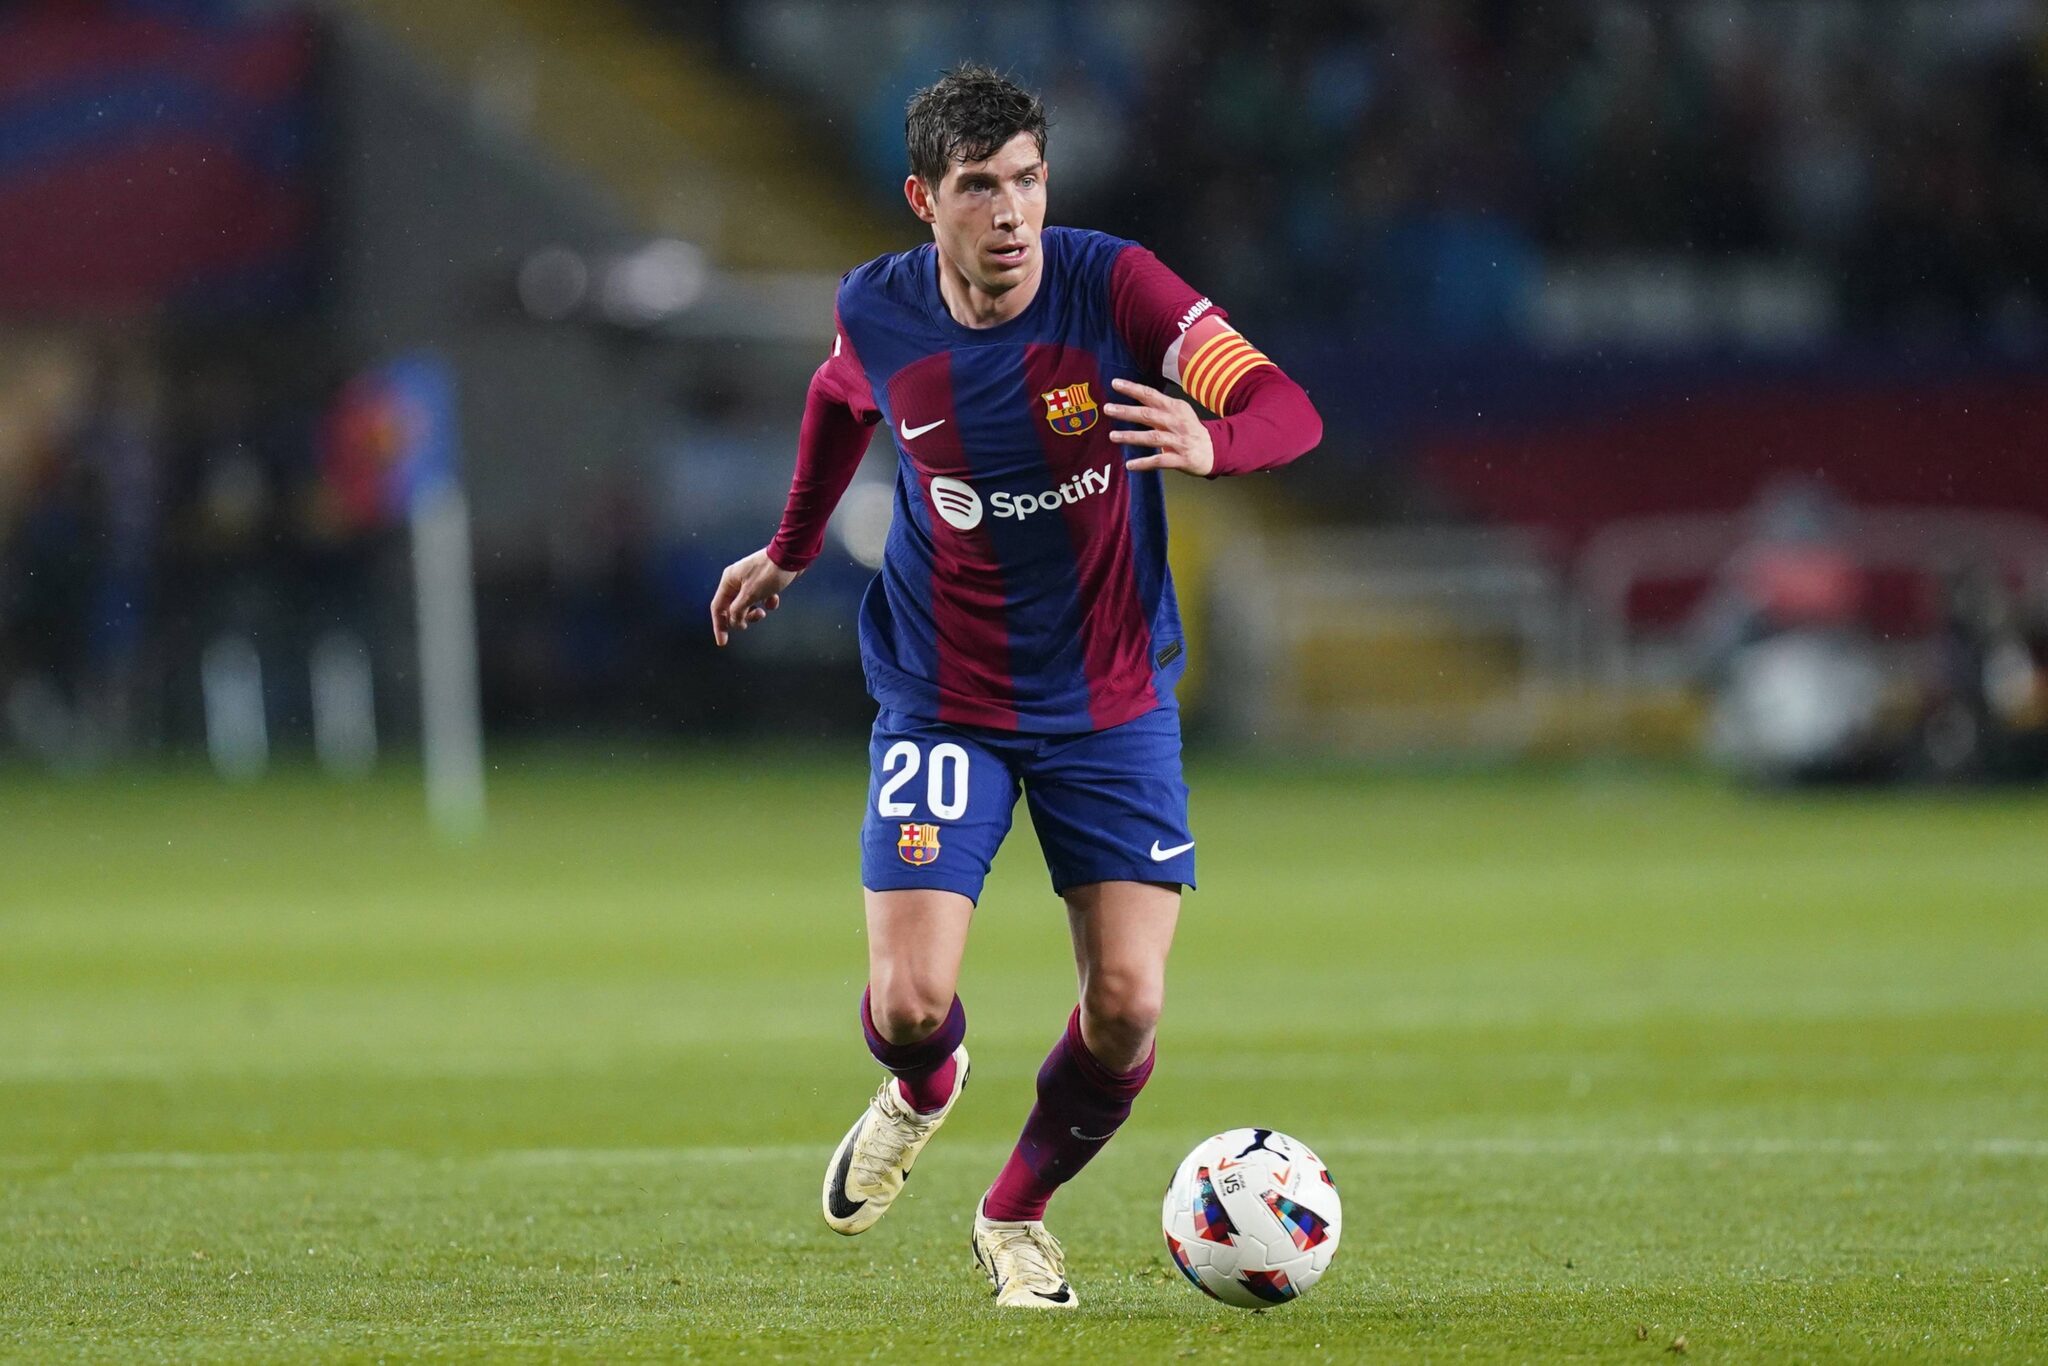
(925, 1069)
(1081, 1105)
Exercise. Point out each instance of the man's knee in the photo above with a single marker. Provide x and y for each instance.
(1124, 1005)
(907, 1007)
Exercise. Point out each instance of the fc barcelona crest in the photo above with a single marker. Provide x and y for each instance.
(1071, 410)
(918, 844)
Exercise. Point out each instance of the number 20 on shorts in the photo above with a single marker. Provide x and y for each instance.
(945, 780)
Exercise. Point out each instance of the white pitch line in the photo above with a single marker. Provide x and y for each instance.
(2031, 1149)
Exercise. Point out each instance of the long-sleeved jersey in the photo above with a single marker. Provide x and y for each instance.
(1024, 585)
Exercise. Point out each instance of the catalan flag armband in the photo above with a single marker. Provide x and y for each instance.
(1213, 357)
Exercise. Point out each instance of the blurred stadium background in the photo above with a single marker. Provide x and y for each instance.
(1685, 370)
(1642, 333)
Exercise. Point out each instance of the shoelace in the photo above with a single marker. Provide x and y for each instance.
(883, 1151)
(1026, 1250)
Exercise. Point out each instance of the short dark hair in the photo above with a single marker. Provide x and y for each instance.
(967, 115)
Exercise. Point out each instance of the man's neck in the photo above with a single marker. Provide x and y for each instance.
(972, 306)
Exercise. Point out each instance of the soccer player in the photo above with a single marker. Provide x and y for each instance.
(1022, 632)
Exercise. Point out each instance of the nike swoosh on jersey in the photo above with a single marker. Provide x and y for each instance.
(911, 433)
(1075, 1130)
(1162, 855)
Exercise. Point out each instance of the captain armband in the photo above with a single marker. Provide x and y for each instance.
(1218, 356)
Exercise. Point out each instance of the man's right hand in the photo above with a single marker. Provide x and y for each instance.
(748, 590)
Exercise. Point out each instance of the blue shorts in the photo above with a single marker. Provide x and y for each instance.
(1108, 805)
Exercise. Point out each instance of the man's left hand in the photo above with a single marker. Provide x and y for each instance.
(1171, 427)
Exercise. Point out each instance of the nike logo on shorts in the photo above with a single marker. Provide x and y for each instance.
(1162, 855)
(911, 433)
(1075, 1130)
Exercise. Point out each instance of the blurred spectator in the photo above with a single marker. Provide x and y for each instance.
(1986, 714)
(81, 553)
(1795, 574)
(1798, 689)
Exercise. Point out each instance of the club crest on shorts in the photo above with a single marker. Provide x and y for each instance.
(1071, 410)
(918, 844)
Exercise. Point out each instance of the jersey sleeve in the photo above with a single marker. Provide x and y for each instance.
(842, 379)
(1153, 308)
(1263, 418)
(1268, 422)
(839, 416)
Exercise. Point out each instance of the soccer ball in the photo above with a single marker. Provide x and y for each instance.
(1252, 1218)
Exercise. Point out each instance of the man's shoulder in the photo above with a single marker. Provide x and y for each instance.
(890, 270)
(1085, 249)
(1088, 239)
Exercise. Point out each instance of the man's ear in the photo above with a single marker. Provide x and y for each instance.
(919, 196)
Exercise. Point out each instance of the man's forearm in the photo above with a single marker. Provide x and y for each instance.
(829, 448)
(1270, 422)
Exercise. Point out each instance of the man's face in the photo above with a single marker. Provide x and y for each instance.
(986, 215)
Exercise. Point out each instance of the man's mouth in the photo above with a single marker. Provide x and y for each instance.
(1012, 254)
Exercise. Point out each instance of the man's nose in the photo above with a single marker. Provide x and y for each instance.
(1009, 209)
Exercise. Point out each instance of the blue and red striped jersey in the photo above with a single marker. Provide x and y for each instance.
(1024, 586)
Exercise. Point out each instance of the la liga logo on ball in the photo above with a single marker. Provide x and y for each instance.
(918, 844)
(1252, 1217)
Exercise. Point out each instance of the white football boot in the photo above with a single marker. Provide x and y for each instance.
(1024, 1263)
(874, 1159)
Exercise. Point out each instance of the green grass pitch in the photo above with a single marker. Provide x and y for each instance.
(1599, 1064)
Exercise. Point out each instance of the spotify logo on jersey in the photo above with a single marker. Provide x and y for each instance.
(959, 504)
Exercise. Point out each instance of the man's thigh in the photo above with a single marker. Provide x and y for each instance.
(939, 805)
(1122, 931)
(1122, 934)
(916, 940)
(1111, 806)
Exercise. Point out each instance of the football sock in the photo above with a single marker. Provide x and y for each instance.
(1081, 1104)
(924, 1070)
